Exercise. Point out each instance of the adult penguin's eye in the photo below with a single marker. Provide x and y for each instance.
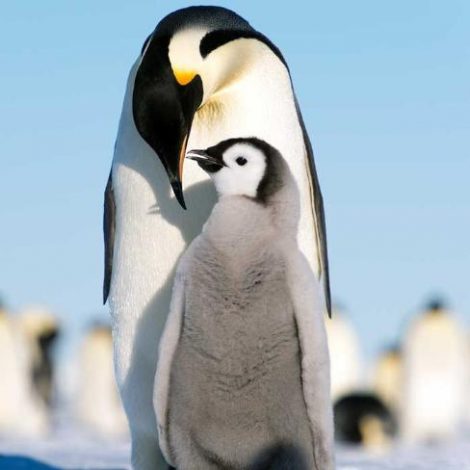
(241, 160)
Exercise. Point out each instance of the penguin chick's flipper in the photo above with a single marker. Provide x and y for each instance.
(109, 225)
(166, 350)
(308, 311)
(318, 215)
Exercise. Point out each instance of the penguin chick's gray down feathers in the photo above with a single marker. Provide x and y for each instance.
(243, 370)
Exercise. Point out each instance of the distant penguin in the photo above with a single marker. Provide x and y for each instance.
(98, 404)
(22, 411)
(362, 418)
(434, 373)
(42, 331)
(467, 393)
(388, 377)
(345, 355)
(243, 372)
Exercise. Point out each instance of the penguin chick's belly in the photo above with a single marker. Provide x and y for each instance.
(236, 387)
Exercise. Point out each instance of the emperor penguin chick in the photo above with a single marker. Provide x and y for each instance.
(243, 370)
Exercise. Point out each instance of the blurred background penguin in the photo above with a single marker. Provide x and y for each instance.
(42, 331)
(25, 387)
(435, 373)
(417, 391)
(387, 377)
(345, 354)
(362, 418)
(362, 415)
(98, 406)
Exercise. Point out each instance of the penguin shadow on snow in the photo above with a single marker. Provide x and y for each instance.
(189, 222)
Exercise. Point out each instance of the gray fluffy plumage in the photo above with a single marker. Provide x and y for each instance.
(236, 397)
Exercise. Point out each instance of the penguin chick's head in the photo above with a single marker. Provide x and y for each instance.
(247, 167)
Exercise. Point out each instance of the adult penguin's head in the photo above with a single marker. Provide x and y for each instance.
(193, 56)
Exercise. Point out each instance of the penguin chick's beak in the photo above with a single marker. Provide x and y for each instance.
(208, 163)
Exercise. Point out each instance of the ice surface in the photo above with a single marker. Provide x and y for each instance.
(66, 452)
(453, 455)
(68, 447)
(78, 451)
(71, 447)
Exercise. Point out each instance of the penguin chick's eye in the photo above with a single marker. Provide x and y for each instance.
(241, 160)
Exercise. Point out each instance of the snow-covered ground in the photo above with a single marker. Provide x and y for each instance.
(454, 455)
(64, 452)
(71, 449)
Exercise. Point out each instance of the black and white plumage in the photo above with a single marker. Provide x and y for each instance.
(23, 410)
(243, 369)
(204, 75)
(362, 418)
(42, 329)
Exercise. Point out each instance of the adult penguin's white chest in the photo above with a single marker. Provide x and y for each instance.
(152, 230)
(261, 104)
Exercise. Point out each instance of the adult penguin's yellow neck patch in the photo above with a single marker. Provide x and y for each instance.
(184, 54)
(183, 76)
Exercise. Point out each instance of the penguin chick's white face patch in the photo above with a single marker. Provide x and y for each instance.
(244, 169)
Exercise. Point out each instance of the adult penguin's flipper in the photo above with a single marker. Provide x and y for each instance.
(318, 216)
(109, 226)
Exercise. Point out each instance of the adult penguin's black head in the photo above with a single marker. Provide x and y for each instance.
(178, 73)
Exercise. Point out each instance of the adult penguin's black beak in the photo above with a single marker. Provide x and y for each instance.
(163, 106)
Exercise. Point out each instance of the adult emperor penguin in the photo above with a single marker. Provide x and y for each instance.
(387, 378)
(42, 330)
(243, 371)
(97, 402)
(434, 376)
(22, 411)
(203, 75)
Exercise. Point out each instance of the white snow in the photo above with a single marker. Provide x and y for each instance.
(73, 449)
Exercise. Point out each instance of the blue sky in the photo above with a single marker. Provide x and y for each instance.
(384, 88)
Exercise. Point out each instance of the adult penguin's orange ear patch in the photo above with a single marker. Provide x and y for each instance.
(183, 77)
